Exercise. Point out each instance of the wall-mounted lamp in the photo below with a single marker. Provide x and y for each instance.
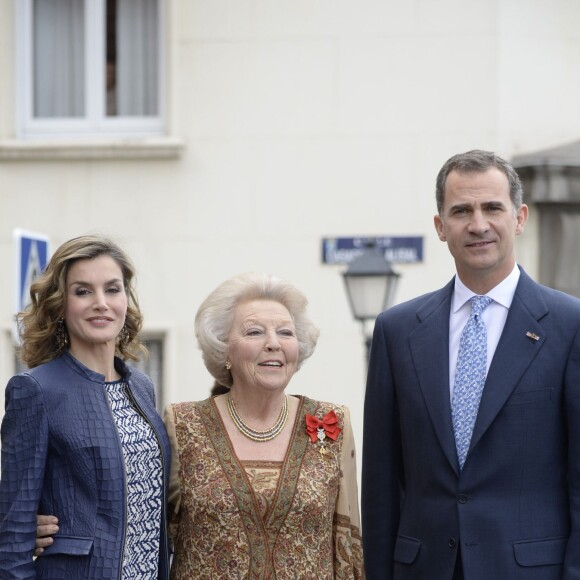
(370, 283)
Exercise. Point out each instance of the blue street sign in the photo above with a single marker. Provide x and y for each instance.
(397, 249)
(32, 252)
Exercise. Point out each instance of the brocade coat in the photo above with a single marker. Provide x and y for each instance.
(296, 519)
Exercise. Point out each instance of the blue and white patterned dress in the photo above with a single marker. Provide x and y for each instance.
(144, 473)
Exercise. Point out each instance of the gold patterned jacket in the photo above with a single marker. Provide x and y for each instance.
(295, 519)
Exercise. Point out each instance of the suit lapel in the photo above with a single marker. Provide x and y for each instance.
(429, 344)
(514, 354)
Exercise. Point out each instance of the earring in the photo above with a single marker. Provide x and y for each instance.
(124, 339)
(61, 336)
(228, 365)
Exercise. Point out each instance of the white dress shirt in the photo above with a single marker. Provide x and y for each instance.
(494, 317)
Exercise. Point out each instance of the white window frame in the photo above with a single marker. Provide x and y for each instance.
(95, 125)
(144, 365)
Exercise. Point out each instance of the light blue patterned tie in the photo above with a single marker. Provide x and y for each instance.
(469, 376)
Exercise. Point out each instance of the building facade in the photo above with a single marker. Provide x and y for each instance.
(213, 138)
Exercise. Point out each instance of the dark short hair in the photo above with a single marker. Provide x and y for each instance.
(478, 161)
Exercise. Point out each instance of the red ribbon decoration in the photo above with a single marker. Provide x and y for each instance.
(329, 422)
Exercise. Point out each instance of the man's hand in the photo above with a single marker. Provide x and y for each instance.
(46, 527)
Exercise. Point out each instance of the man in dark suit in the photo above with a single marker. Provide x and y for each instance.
(497, 496)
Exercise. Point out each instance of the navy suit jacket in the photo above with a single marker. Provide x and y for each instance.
(514, 508)
(61, 455)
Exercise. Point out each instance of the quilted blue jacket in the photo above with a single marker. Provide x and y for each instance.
(61, 455)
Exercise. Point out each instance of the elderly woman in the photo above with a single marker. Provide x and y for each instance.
(263, 483)
(81, 438)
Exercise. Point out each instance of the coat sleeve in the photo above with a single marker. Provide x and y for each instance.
(381, 470)
(24, 452)
(346, 528)
(174, 496)
(572, 405)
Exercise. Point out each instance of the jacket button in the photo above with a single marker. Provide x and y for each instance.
(452, 543)
(462, 498)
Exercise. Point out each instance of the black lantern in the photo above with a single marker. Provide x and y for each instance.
(370, 283)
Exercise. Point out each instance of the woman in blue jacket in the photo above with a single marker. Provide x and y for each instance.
(80, 437)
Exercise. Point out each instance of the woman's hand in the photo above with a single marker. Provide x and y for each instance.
(46, 526)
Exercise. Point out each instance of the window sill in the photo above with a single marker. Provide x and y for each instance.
(146, 148)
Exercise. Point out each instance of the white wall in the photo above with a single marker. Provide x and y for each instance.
(302, 119)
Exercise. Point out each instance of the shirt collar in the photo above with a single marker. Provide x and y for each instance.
(503, 293)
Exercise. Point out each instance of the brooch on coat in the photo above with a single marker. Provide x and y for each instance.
(320, 429)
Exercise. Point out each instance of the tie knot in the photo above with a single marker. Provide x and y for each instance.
(479, 304)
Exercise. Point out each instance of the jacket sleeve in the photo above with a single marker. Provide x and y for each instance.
(381, 470)
(348, 562)
(24, 452)
(174, 496)
(572, 405)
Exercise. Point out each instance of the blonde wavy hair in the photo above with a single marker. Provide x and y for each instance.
(214, 319)
(38, 323)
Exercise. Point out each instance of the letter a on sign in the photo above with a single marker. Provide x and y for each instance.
(31, 257)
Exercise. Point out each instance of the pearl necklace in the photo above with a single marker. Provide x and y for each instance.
(253, 434)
